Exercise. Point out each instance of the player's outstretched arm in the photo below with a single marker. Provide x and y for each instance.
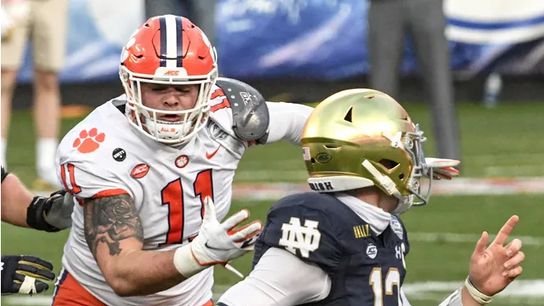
(114, 233)
(20, 207)
(15, 199)
(493, 267)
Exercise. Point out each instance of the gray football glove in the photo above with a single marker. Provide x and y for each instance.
(60, 213)
(50, 214)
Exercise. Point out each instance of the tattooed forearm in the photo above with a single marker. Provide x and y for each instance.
(110, 220)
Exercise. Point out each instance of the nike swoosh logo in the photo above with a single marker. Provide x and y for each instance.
(249, 242)
(214, 248)
(211, 155)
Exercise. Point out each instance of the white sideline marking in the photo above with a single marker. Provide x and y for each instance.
(519, 288)
(467, 238)
(489, 186)
(524, 289)
(457, 186)
(27, 300)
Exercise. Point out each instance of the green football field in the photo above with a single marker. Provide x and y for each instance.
(502, 142)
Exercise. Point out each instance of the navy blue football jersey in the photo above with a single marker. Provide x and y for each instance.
(320, 229)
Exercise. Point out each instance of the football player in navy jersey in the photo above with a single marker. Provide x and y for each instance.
(345, 244)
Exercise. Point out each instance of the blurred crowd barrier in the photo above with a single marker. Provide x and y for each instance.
(323, 39)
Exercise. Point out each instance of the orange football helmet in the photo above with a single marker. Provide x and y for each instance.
(168, 50)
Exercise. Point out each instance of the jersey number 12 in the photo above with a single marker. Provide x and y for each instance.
(391, 279)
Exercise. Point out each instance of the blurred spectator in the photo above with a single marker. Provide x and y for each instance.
(43, 22)
(492, 89)
(424, 20)
(201, 12)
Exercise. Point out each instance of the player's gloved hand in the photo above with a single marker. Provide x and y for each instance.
(50, 214)
(60, 212)
(216, 243)
(443, 168)
(25, 274)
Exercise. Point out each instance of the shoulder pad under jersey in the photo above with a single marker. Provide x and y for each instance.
(249, 111)
(303, 225)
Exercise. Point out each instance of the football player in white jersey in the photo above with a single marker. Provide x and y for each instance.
(346, 242)
(152, 171)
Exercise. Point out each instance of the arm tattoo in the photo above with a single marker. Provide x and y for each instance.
(110, 220)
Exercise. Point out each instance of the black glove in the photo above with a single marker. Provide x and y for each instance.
(25, 274)
(39, 208)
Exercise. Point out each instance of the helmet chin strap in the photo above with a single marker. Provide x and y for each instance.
(385, 181)
(404, 202)
(169, 133)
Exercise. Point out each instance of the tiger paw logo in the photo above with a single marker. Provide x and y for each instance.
(88, 141)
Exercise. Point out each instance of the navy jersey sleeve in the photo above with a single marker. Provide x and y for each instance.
(299, 225)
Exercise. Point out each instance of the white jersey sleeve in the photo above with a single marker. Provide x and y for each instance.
(404, 299)
(287, 121)
(272, 282)
(454, 299)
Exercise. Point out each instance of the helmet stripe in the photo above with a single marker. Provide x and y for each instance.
(170, 48)
(162, 55)
(171, 41)
(179, 45)
(162, 29)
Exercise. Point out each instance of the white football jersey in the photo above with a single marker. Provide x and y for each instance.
(104, 155)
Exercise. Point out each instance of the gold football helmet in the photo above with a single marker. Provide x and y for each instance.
(361, 137)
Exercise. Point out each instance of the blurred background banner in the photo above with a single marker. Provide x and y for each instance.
(311, 38)
(496, 35)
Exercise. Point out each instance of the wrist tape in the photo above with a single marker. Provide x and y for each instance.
(185, 262)
(476, 294)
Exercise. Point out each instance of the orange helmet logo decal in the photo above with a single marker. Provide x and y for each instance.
(171, 72)
(88, 140)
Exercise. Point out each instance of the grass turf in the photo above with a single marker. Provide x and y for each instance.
(505, 141)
